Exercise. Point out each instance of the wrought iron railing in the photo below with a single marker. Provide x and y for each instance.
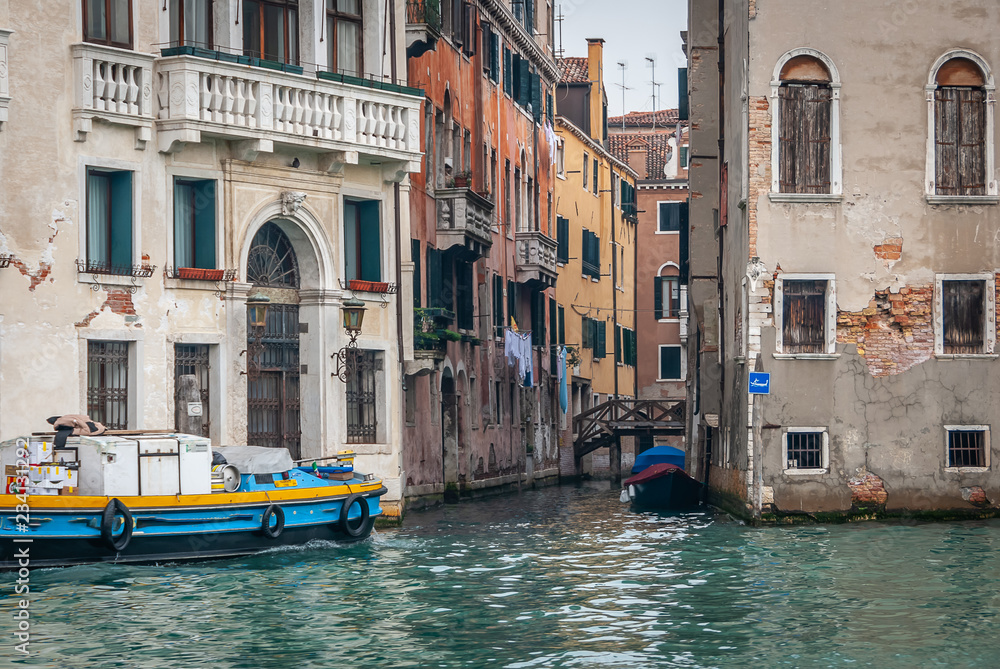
(424, 11)
(134, 271)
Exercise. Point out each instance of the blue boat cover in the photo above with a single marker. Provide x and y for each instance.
(656, 455)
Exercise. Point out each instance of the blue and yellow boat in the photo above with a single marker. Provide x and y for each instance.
(258, 500)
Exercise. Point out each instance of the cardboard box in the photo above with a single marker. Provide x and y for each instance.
(36, 490)
(40, 452)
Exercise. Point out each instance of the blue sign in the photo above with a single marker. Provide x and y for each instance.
(760, 383)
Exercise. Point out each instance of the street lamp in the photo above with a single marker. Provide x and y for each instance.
(257, 322)
(347, 360)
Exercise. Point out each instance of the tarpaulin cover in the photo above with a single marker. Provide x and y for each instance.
(654, 472)
(257, 459)
(652, 456)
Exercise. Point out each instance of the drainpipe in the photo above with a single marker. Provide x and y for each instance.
(397, 222)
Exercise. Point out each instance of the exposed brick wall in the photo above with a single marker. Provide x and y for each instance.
(867, 490)
(890, 249)
(895, 332)
(44, 267)
(759, 139)
(118, 300)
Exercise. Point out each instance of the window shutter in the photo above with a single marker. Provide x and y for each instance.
(789, 113)
(597, 256)
(536, 97)
(562, 239)
(511, 303)
(658, 298)
(464, 295)
(618, 343)
(434, 298)
(529, 16)
(524, 92)
(447, 280)
(585, 333)
(601, 349)
(683, 243)
(508, 76)
(469, 25)
(972, 142)
(549, 107)
(417, 279)
(369, 239)
(562, 325)
(121, 219)
(817, 140)
(494, 46)
(204, 224)
(553, 323)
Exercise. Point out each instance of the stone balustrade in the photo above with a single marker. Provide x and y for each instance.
(536, 257)
(464, 218)
(241, 102)
(113, 85)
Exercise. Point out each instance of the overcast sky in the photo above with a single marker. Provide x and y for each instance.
(632, 30)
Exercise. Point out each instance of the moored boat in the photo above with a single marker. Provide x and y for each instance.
(659, 481)
(157, 497)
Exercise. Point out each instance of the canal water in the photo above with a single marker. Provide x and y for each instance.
(559, 577)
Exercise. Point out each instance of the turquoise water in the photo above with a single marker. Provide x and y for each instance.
(561, 577)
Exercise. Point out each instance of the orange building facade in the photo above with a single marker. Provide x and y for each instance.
(482, 251)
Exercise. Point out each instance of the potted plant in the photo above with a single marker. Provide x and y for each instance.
(214, 274)
(463, 179)
(190, 273)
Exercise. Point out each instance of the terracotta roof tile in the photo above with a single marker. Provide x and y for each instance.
(646, 119)
(574, 70)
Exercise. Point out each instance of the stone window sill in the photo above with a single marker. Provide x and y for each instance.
(967, 356)
(967, 470)
(805, 356)
(963, 199)
(824, 198)
(192, 284)
(805, 472)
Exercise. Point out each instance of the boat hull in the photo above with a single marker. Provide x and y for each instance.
(673, 491)
(61, 531)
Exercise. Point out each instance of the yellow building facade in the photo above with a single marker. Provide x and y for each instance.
(596, 234)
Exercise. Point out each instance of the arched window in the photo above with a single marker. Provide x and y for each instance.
(271, 261)
(805, 134)
(667, 292)
(960, 167)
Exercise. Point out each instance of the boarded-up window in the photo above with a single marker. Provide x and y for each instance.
(960, 140)
(963, 307)
(804, 316)
(804, 154)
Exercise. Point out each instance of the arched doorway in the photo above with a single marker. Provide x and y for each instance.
(273, 388)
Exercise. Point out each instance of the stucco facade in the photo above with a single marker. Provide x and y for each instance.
(483, 230)
(275, 151)
(902, 415)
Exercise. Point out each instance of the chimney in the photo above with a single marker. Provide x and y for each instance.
(595, 72)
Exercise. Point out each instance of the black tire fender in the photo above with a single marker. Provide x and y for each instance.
(113, 508)
(265, 522)
(363, 528)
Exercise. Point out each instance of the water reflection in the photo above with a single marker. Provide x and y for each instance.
(563, 577)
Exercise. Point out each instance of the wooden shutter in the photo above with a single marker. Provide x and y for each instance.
(658, 297)
(946, 141)
(553, 323)
(618, 343)
(434, 297)
(464, 304)
(508, 75)
(585, 332)
(562, 239)
(804, 322)
(511, 302)
(417, 279)
(804, 148)
(204, 224)
(562, 325)
(972, 141)
(121, 220)
(524, 82)
(684, 244)
(962, 303)
(369, 238)
(601, 348)
(536, 97)
(529, 17)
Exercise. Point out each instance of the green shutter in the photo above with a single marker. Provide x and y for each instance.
(585, 332)
(601, 348)
(658, 298)
(562, 325)
(553, 323)
(529, 17)
(524, 92)
(447, 281)
(549, 107)
(597, 257)
(434, 298)
(369, 237)
(508, 76)
(511, 303)
(536, 97)
(683, 244)
(204, 224)
(121, 219)
(494, 56)
(618, 343)
(417, 283)
(682, 94)
(562, 239)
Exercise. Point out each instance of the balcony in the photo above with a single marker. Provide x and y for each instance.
(536, 259)
(423, 26)
(188, 97)
(115, 86)
(464, 218)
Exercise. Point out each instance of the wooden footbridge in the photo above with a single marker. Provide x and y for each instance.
(606, 423)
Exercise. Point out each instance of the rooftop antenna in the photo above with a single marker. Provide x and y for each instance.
(651, 59)
(623, 64)
(560, 17)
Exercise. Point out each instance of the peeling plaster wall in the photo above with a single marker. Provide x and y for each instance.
(49, 312)
(886, 398)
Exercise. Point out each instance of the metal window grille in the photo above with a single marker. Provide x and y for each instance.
(966, 448)
(273, 398)
(804, 450)
(192, 359)
(361, 418)
(107, 383)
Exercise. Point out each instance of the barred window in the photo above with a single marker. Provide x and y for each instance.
(362, 423)
(804, 450)
(107, 383)
(967, 448)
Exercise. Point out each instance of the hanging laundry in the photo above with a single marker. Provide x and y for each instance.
(517, 347)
